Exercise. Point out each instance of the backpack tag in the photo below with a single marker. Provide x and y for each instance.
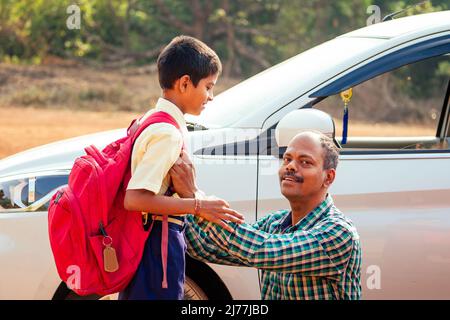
(110, 263)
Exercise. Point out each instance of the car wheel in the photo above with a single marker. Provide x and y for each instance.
(192, 291)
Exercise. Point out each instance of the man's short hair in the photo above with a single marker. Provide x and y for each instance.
(186, 55)
(330, 152)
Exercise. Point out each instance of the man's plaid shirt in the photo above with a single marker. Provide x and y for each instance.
(318, 258)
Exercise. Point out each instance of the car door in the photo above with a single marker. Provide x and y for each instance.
(226, 167)
(28, 270)
(393, 179)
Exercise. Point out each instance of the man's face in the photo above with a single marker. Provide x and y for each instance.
(197, 97)
(301, 173)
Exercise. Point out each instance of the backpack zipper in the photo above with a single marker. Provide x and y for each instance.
(60, 193)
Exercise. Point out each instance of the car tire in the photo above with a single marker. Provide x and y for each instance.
(192, 291)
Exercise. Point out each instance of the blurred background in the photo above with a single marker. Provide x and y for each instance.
(57, 82)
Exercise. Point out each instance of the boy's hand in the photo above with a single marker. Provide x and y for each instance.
(212, 209)
(217, 210)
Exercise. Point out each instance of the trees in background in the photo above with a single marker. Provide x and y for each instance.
(249, 35)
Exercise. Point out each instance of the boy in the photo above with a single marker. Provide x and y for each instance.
(188, 70)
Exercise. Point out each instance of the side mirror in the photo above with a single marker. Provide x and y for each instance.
(306, 119)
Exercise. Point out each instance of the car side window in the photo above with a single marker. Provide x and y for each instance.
(16, 194)
(400, 109)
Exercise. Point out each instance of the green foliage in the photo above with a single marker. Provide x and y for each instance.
(249, 35)
(430, 75)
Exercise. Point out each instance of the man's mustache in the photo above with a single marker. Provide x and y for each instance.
(291, 174)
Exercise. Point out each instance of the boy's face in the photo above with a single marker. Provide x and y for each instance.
(195, 98)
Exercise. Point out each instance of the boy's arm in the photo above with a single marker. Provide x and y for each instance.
(146, 201)
(154, 152)
(211, 210)
(160, 148)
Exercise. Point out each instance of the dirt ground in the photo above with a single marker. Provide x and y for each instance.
(23, 128)
(45, 103)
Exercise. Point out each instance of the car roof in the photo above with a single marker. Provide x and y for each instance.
(286, 82)
(423, 23)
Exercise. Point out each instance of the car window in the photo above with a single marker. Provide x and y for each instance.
(281, 81)
(22, 192)
(399, 109)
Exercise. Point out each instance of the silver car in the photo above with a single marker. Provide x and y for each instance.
(393, 182)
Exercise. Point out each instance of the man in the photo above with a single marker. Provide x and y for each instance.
(311, 251)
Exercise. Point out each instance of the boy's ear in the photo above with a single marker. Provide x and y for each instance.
(183, 83)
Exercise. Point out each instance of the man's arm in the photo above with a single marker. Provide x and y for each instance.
(321, 251)
(200, 247)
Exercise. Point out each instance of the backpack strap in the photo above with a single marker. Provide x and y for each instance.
(164, 248)
(136, 127)
(134, 130)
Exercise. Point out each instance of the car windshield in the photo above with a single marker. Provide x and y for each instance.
(286, 79)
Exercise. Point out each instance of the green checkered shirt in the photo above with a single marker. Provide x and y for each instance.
(318, 258)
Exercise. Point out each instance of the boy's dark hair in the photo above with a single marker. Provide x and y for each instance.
(186, 55)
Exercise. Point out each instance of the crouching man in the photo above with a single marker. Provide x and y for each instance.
(310, 251)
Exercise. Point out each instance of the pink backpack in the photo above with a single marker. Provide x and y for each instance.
(97, 244)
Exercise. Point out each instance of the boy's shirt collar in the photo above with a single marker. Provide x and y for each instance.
(169, 107)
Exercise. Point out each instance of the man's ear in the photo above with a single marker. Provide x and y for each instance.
(183, 83)
(329, 178)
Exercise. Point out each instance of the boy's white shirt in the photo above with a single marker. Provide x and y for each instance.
(156, 150)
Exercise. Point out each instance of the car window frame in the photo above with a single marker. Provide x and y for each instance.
(36, 205)
(436, 46)
(417, 51)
